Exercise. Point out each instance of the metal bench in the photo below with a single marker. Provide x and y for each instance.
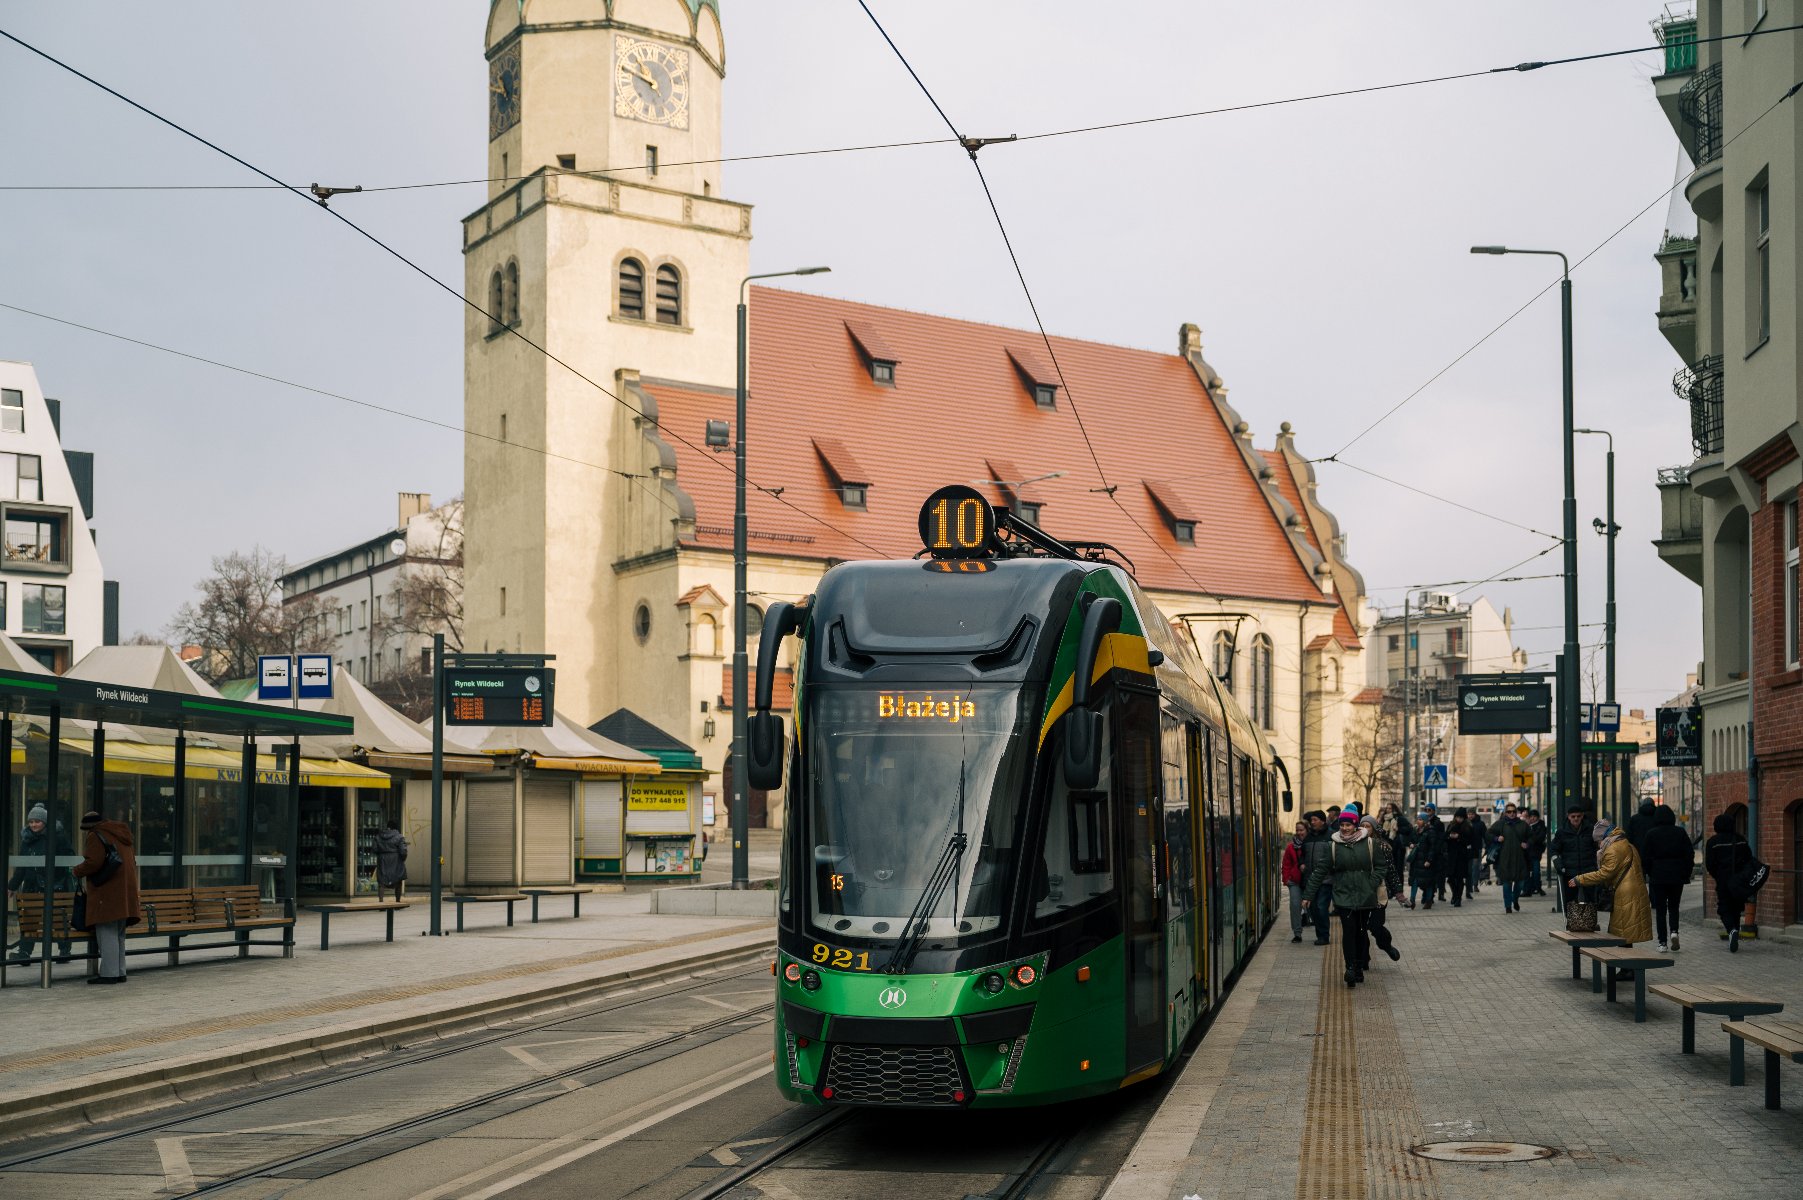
(1606, 960)
(1579, 941)
(325, 912)
(508, 898)
(1696, 998)
(575, 893)
(1779, 1040)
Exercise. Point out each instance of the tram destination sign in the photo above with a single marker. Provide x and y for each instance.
(1500, 704)
(513, 696)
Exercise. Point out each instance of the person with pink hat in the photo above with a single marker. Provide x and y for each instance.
(1359, 868)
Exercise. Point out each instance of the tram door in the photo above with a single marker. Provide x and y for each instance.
(1136, 774)
(1218, 900)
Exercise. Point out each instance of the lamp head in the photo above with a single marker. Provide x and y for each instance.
(815, 271)
(1597, 524)
(1489, 249)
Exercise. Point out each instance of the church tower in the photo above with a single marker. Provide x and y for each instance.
(605, 241)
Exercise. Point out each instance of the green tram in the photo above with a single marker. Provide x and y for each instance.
(1031, 840)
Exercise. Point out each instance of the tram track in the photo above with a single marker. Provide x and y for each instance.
(695, 1034)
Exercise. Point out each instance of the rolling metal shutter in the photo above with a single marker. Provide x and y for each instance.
(549, 853)
(488, 831)
(601, 819)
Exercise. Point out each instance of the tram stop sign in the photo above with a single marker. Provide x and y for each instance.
(514, 696)
(1491, 704)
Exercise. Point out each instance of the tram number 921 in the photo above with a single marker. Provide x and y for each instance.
(957, 522)
(840, 958)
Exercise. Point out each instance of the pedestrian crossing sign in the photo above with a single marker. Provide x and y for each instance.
(1433, 775)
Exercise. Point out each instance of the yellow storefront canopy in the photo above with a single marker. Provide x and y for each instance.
(208, 763)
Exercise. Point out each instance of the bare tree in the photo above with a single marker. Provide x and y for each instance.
(1371, 753)
(408, 691)
(240, 615)
(429, 597)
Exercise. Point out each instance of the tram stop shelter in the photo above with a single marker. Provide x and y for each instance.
(180, 768)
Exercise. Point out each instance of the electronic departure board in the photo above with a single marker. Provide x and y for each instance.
(498, 696)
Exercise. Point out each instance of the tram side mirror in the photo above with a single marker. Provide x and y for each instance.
(1289, 800)
(764, 750)
(1082, 749)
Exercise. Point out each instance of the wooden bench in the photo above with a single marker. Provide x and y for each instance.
(325, 912)
(1779, 1040)
(175, 913)
(1606, 960)
(1696, 998)
(576, 894)
(1580, 941)
(508, 898)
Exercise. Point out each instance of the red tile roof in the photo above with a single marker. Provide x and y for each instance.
(957, 404)
(1370, 695)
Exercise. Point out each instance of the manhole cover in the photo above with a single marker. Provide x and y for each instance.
(1482, 1152)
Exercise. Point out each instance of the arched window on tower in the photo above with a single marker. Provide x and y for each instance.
(497, 301)
(513, 292)
(632, 289)
(669, 295)
(1224, 659)
(1261, 681)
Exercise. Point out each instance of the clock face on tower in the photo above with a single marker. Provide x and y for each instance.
(504, 92)
(651, 82)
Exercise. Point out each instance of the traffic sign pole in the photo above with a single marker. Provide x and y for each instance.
(437, 783)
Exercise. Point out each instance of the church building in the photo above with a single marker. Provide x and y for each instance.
(598, 512)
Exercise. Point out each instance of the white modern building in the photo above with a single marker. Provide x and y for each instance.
(370, 619)
(54, 600)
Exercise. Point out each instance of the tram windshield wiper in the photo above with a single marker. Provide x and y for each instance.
(914, 931)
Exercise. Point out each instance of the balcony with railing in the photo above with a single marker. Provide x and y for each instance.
(1677, 259)
(1680, 541)
(1677, 32)
(1701, 384)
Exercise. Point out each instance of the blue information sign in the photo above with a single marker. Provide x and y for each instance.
(1433, 775)
(315, 676)
(275, 677)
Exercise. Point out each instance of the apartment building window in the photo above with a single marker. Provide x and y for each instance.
(21, 477)
(12, 411)
(362, 614)
(36, 538)
(1790, 584)
(1759, 273)
(1395, 641)
(1453, 638)
(378, 610)
(44, 607)
(344, 619)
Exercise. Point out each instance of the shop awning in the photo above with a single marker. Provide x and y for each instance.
(207, 763)
(454, 764)
(598, 766)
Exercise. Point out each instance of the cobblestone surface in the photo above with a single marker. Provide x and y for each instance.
(1497, 1042)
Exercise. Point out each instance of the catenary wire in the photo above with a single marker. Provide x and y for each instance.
(1586, 257)
(493, 319)
(448, 426)
(972, 146)
(1517, 68)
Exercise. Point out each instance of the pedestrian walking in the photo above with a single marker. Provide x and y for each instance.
(26, 887)
(1725, 856)
(1480, 854)
(1314, 849)
(1535, 846)
(1397, 830)
(1390, 889)
(391, 859)
(1668, 861)
(1461, 849)
(1641, 824)
(1426, 874)
(1353, 868)
(1574, 851)
(1294, 872)
(1618, 867)
(1509, 839)
(112, 890)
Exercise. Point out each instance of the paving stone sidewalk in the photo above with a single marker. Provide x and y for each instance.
(216, 1001)
(1481, 1034)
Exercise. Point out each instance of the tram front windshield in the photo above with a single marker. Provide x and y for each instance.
(896, 774)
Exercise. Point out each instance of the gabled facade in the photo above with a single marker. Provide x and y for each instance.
(54, 599)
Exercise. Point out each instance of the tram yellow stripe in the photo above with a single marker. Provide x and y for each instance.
(1118, 651)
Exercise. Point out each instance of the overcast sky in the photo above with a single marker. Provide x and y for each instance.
(1322, 247)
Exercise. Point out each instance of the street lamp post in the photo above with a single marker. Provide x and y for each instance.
(741, 807)
(1608, 528)
(1569, 760)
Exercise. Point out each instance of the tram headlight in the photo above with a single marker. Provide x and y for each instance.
(792, 973)
(991, 983)
(810, 979)
(1024, 975)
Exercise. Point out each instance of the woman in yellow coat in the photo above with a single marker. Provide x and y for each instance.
(1618, 867)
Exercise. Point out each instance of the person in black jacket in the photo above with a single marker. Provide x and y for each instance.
(1641, 824)
(1535, 845)
(26, 885)
(1314, 850)
(1426, 859)
(1460, 850)
(1574, 850)
(1724, 856)
(1668, 861)
(1480, 854)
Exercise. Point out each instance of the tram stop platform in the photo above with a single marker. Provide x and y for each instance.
(1305, 1089)
(74, 1054)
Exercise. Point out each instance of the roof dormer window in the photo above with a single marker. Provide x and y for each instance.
(1028, 511)
(852, 496)
(1178, 513)
(1045, 395)
(1184, 532)
(844, 473)
(1037, 375)
(878, 358)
